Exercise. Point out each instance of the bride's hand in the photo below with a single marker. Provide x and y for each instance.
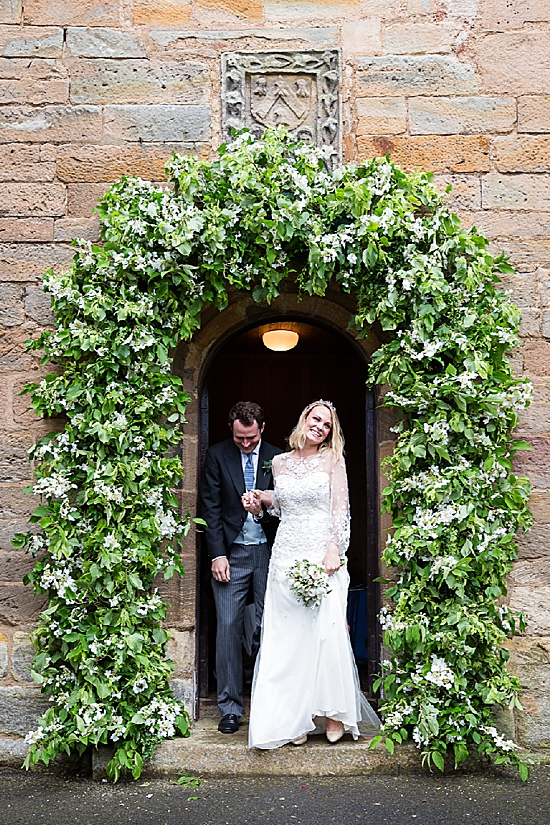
(331, 562)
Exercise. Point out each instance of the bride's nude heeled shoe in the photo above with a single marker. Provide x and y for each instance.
(334, 735)
(301, 740)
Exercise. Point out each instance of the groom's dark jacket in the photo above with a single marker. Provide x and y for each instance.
(221, 489)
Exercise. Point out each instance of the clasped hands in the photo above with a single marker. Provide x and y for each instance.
(252, 502)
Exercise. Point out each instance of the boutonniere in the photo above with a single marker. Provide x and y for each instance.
(266, 467)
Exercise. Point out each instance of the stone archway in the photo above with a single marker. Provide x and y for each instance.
(191, 363)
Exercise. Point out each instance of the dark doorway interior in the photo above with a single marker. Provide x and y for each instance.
(324, 364)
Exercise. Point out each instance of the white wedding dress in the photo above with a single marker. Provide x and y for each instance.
(305, 671)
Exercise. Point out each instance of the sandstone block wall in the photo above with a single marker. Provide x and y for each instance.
(92, 90)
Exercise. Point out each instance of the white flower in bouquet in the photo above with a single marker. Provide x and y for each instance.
(308, 582)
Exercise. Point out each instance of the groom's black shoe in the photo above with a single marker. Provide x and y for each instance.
(229, 723)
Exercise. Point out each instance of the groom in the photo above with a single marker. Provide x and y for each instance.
(238, 544)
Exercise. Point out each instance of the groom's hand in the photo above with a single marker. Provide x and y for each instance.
(221, 570)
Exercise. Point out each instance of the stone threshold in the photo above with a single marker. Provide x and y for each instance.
(207, 753)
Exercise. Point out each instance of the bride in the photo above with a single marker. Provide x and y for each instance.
(306, 679)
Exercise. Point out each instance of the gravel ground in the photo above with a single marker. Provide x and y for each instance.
(496, 798)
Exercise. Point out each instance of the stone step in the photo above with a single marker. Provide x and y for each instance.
(208, 753)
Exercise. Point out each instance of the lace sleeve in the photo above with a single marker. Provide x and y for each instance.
(339, 507)
(275, 509)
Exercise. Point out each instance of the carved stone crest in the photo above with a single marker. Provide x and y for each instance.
(300, 90)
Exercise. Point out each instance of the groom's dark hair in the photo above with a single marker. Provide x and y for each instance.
(247, 412)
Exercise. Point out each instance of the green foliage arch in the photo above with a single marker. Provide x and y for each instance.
(109, 523)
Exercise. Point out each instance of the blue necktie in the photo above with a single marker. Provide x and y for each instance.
(249, 472)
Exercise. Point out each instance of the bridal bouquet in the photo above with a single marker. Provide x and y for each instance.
(308, 582)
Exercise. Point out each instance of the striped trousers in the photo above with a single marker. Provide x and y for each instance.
(248, 565)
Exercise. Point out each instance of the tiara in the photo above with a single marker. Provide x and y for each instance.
(328, 404)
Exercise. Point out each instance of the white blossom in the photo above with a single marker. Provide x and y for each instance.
(119, 421)
(160, 717)
(165, 396)
(385, 619)
(34, 737)
(501, 743)
(442, 564)
(418, 738)
(108, 491)
(57, 485)
(140, 685)
(440, 673)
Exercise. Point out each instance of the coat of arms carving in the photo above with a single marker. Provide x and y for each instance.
(300, 90)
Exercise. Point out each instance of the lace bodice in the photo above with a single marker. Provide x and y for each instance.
(311, 499)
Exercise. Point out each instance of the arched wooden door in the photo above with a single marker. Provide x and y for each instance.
(324, 364)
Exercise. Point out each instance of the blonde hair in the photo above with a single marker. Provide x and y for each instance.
(334, 440)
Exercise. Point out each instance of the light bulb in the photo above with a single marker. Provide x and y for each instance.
(280, 340)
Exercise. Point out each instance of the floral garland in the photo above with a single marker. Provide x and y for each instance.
(108, 515)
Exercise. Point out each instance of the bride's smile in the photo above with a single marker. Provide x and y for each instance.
(318, 426)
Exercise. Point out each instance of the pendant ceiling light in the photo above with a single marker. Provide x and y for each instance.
(280, 340)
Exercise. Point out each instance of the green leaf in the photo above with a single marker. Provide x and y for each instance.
(519, 444)
(41, 511)
(135, 642)
(370, 255)
(438, 760)
(188, 780)
(182, 725)
(103, 690)
(523, 771)
(135, 581)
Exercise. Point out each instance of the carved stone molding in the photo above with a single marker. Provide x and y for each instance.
(301, 90)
